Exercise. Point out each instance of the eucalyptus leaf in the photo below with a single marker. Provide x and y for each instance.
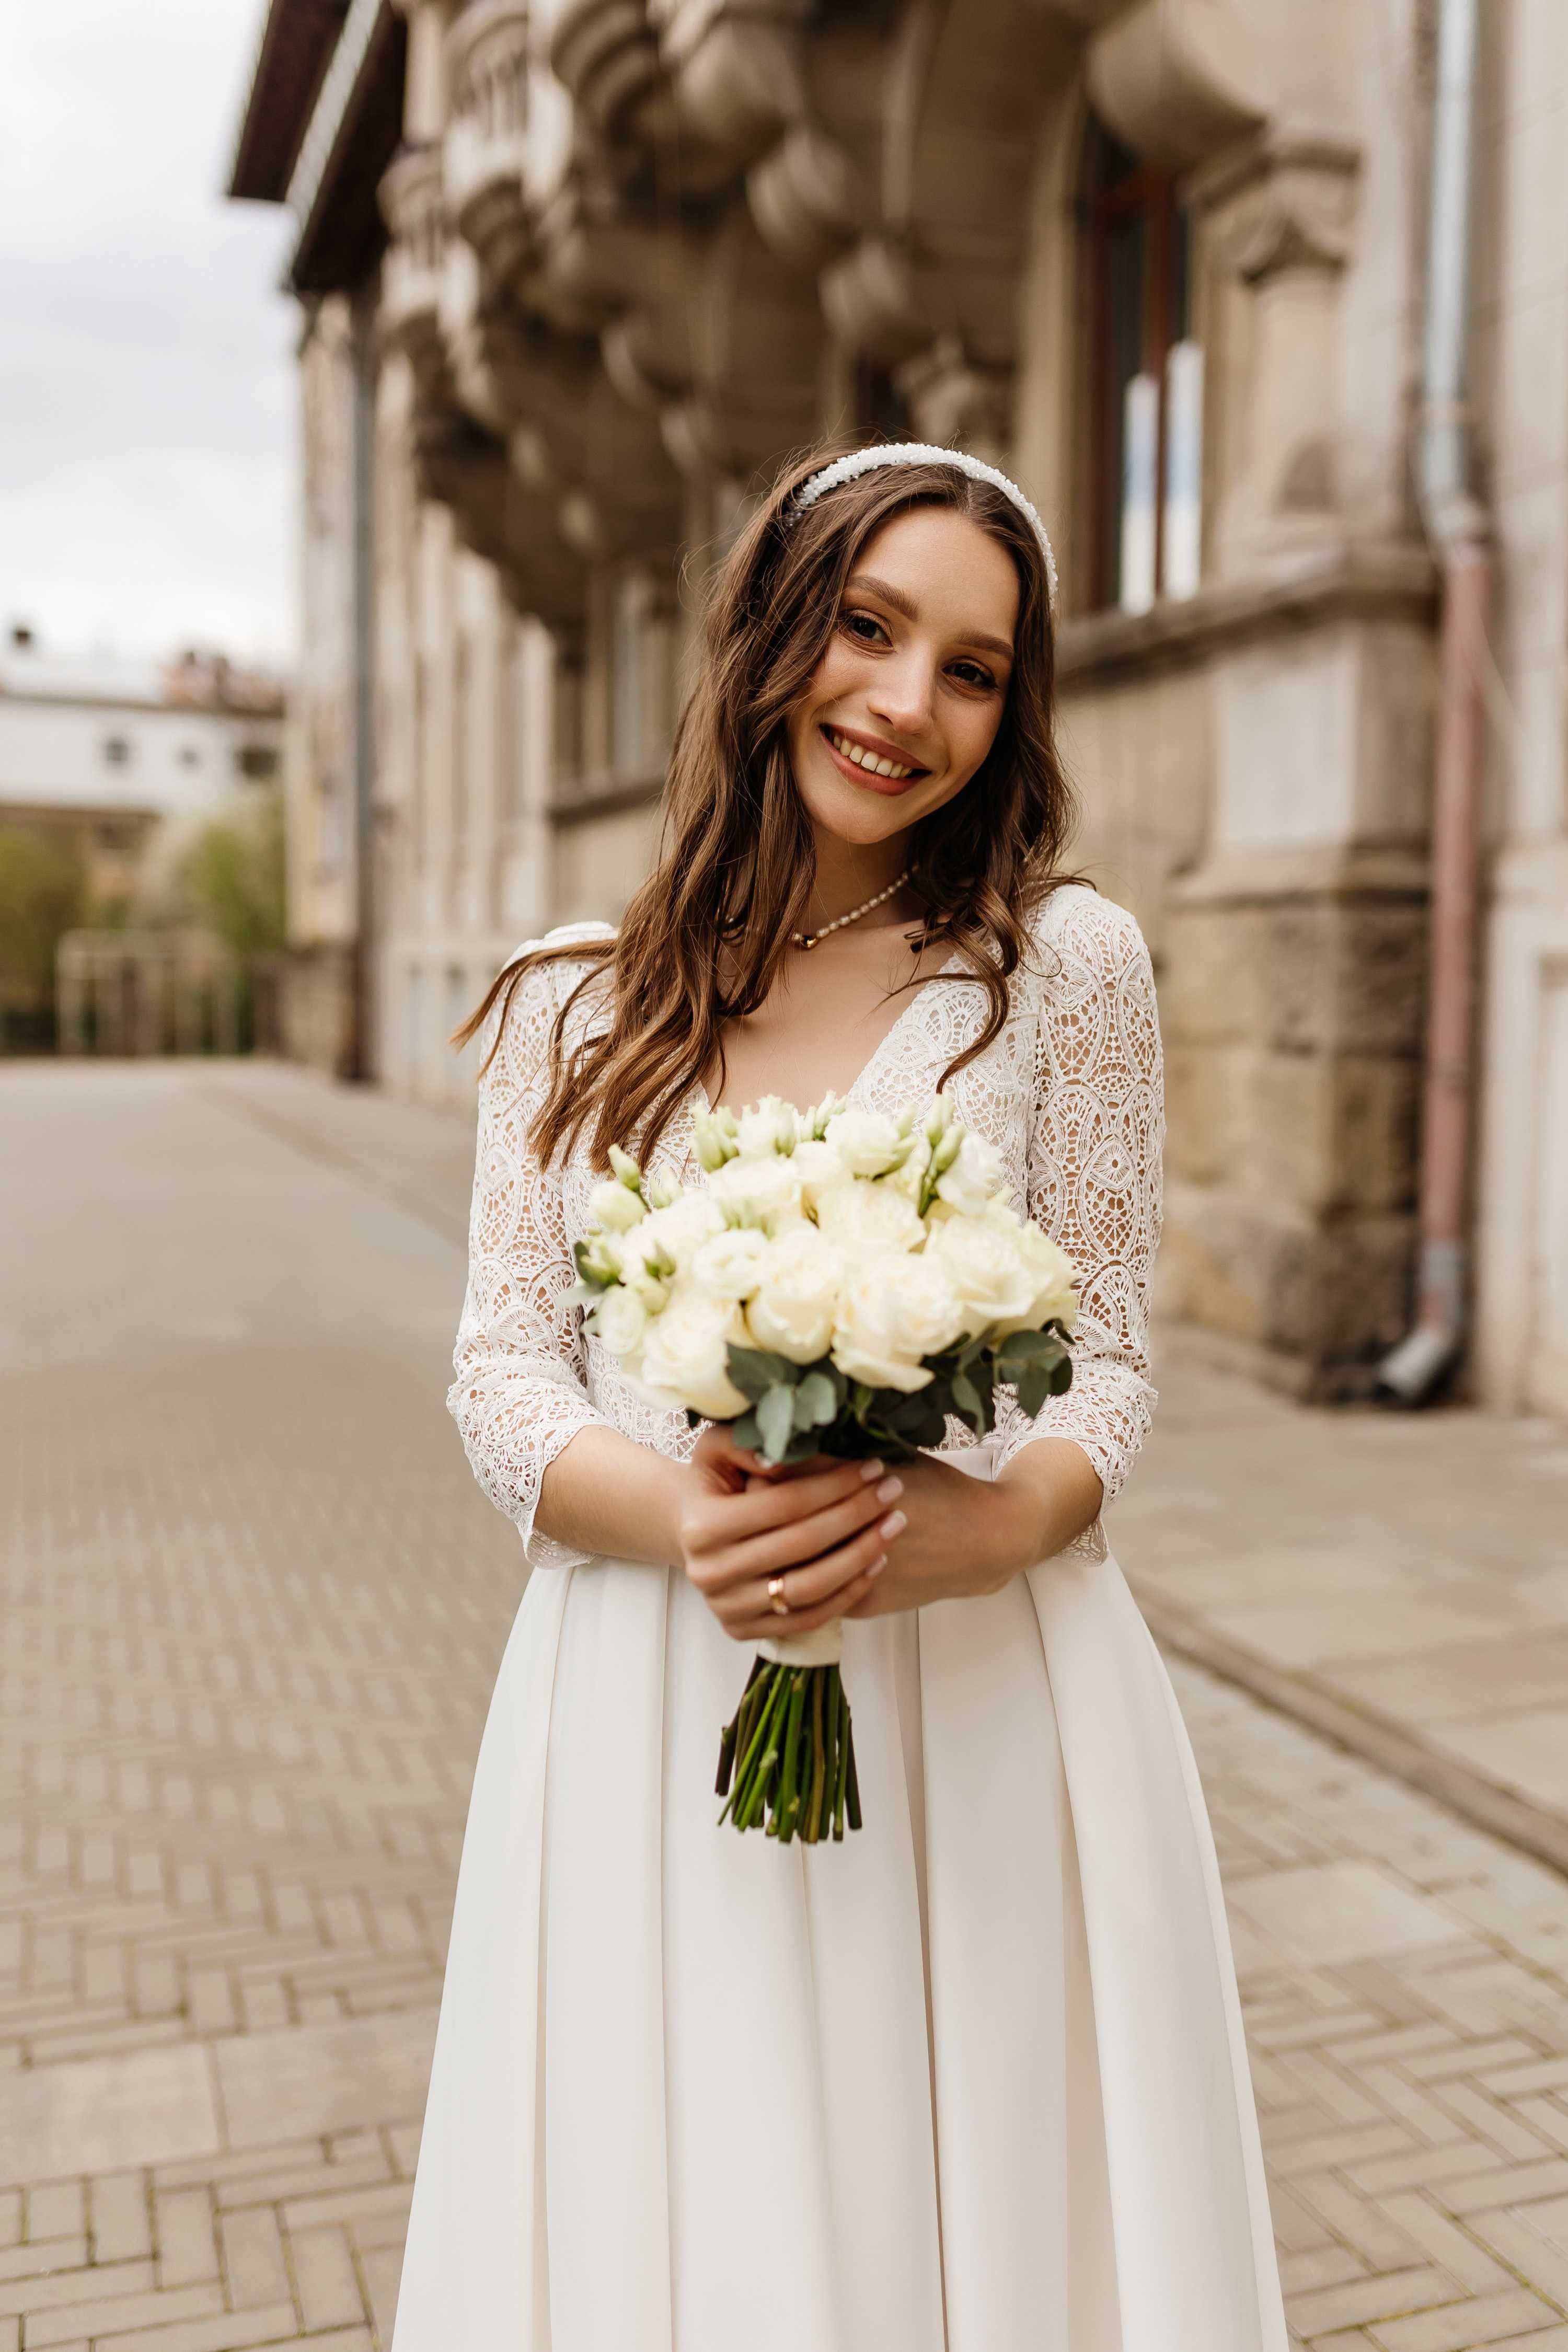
(815, 1402)
(756, 1369)
(774, 1415)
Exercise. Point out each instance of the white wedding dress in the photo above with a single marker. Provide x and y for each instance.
(972, 2080)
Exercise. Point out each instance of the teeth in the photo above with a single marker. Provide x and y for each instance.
(863, 759)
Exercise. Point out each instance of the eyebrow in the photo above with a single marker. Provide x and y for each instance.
(907, 606)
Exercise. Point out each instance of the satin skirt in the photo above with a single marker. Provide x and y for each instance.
(972, 2080)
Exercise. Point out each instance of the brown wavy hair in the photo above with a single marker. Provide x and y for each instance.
(702, 940)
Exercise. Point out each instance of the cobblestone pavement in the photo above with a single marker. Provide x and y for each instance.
(253, 1605)
(1400, 1582)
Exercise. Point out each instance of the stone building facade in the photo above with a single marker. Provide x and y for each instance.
(577, 272)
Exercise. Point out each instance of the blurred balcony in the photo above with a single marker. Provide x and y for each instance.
(413, 202)
(485, 150)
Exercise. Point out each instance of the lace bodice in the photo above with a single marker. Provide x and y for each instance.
(1070, 1093)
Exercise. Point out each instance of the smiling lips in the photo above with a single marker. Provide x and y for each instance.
(870, 766)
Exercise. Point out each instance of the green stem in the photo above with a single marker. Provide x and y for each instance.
(841, 1764)
(812, 1830)
(772, 1688)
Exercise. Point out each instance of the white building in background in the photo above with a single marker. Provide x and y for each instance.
(121, 762)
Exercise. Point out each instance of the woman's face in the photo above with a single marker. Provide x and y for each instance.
(906, 701)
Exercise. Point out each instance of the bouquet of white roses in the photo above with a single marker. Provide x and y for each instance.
(842, 1283)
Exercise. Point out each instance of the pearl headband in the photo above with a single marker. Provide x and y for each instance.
(926, 453)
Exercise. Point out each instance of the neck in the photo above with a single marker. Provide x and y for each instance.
(850, 872)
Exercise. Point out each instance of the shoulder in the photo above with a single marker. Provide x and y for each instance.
(1096, 983)
(1076, 920)
(1081, 938)
(537, 993)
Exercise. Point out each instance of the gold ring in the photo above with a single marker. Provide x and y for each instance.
(776, 1596)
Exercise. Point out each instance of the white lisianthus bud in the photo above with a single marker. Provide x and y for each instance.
(977, 1172)
(893, 1310)
(862, 1215)
(711, 1141)
(987, 1268)
(813, 1122)
(619, 1321)
(625, 1168)
(939, 1119)
(793, 1307)
(819, 1169)
(684, 1360)
(659, 1191)
(762, 1192)
(766, 1130)
(601, 1258)
(910, 1179)
(945, 1150)
(615, 1208)
(730, 1264)
(868, 1143)
(1051, 1272)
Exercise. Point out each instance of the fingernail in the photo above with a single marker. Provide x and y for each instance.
(893, 1525)
(869, 1470)
(877, 1566)
(889, 1490)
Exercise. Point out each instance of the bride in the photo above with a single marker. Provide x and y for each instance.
(972, 2080)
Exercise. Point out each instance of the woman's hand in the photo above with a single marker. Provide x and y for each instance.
(822, 1527)
(965, 1535)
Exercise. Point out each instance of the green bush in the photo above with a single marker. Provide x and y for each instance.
(231, 878)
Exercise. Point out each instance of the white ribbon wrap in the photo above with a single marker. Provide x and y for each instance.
(825, 1647)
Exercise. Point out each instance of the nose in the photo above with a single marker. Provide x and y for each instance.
(903, 691)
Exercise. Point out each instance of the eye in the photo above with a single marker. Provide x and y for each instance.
(864, 627)
(973, 674)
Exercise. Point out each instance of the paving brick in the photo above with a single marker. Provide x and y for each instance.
(121, 2226)
(255, 2268)
(329, 2288)
(1463, 2328)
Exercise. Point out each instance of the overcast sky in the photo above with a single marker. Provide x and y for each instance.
(147, 470)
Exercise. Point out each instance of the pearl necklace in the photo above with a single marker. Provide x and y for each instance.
(809, 938)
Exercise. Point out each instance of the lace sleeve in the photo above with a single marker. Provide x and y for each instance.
(1095, 1176)
(521, 1390)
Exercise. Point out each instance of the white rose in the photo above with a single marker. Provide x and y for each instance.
(766, 1130)
(1051, 1271)
(664, 1244)
(683, 1358)
(620, 1320)
(987, 1270)
(730, 1265)
(819, 1169)
(861, 1215)
(679, 1230)
(761, 1193)
(975, 1176)
(893, 1310)
(793, 1308)
(615, 1207)
(867, 1142)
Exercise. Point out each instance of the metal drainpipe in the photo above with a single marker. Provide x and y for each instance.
(362, 330)
(1457, 527)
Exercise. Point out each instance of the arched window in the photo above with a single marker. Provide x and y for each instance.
(1143, 385)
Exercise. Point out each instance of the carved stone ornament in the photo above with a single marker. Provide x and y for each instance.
(1280, 206)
